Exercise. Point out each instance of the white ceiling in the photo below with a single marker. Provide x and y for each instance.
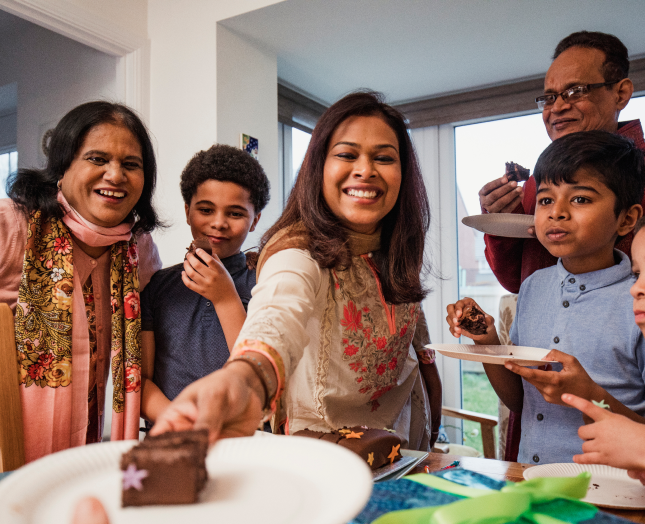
(411, 49)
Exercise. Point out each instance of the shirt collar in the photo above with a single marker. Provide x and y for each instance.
(633, 130)
(234, 263)
(597, 279)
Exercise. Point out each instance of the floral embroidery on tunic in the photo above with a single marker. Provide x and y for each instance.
(371, 351)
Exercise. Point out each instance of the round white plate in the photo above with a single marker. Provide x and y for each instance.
(501, 224)
(609, 487)
(520, 355)
(267, 480)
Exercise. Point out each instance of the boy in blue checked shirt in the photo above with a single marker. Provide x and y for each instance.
(191, 313)
(590, 186)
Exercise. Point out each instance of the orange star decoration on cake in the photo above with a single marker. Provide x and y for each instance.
(351, 434)
(395, 453)
(370, 459)
(344, 430)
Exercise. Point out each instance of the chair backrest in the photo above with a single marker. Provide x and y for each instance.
(12, 448)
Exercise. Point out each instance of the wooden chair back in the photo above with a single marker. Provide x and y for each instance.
(486, 422)
(12, 449)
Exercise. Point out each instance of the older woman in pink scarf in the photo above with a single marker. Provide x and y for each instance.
(76, 253)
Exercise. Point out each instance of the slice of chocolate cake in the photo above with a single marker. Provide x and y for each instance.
(166, 469)
(377, 447)
(516, 172)
(201, 243)
(473, 320)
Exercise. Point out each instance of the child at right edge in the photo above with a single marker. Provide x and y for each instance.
(613, 439)
(590, 186)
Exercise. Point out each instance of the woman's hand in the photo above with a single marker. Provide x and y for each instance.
(612, 439)
(228, 402)
(454, 318)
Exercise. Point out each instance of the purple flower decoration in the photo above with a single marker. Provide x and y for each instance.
(132, 477)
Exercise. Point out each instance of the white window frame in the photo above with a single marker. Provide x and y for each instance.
(435, 146)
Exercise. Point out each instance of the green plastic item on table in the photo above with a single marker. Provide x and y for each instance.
(536, 501)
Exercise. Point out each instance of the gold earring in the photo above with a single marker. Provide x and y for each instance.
(58, 183)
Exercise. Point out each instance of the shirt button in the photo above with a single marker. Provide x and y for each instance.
(583, 287)
(556, 339)
(536, 458)
(100, 328)
(101, 385)
(572, 281)
(97, 296)
(565, 303)
(100, 358)
(93, 262)
(540, 417)
(208, 304)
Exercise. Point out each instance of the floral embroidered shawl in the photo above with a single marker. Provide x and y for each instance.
(53, 341)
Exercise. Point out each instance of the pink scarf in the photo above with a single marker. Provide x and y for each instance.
(91, 234)
(55, 417)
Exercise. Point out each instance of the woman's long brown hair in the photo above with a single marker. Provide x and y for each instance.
(403, 229)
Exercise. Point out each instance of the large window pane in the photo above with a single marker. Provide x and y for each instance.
(299, 143)
(635, 109)
(481, 151)
(8, 164)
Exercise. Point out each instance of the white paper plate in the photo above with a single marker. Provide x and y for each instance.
(520, 355)
(609, 487)
(267, 480)
(501, 224)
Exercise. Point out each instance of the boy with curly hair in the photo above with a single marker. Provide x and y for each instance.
(193, 312)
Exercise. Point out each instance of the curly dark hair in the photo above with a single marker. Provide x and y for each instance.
(226, 164)
(36, 189)
(403, 229)
(616, 64)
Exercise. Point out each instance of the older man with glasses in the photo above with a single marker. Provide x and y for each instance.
(585, 88)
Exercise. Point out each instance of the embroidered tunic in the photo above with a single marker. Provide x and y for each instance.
(347, 354)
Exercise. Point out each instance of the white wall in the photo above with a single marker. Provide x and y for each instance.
(247, 102)
(198, 71)
(53, 74)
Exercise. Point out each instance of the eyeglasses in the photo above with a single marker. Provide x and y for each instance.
(571, 95)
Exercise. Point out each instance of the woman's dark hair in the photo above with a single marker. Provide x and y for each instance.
(36, 189)
(617, 162)
(616, 64)
(226, 164)
(403, 229)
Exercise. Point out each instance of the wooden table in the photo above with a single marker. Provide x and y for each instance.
(502, 470)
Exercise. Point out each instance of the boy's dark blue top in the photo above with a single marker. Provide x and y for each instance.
(189, 340)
